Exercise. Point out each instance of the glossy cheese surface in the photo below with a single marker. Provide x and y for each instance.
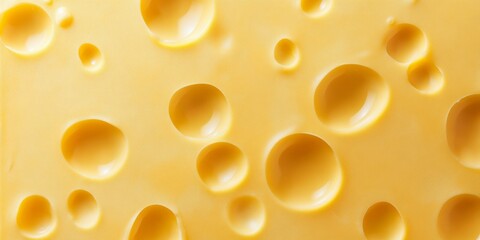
(223, 119)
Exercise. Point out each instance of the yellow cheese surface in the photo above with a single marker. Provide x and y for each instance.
(223, 119)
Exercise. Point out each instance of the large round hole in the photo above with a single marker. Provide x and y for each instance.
(200, 111)
(303, 172)
(94, 148)
(35, 217)
(350, 97)
(26, 29)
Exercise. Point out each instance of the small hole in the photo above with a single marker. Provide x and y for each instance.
(303, 172)
(35, 217)
(221, 166)
(179, 22)
(286, 53)
(155, 222)
(463, 126)
(383, 221)
(83, 209)
(91, 57)
(246, 215)
(425, 77)
(94, 148)
(406, 43)
(200, 111)
(459, 218)
(350, 97)
(315, 8)
(26, 29)
(63, 17)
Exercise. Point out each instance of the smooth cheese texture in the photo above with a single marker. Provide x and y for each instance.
(222, 119)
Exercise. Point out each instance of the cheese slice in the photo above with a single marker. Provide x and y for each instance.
(216, 119)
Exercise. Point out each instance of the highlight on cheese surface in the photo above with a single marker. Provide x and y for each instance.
(223, 119)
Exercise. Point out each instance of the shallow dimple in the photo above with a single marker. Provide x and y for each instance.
(90, 57)
(286, 53)
(246, 215)
(156, 222)
(303, 172)
(463, 131)
(425, 76)
(221, 166)
(382, 221)
(180, 22)
(350, 97)
(406, 43)
(26, 29)
(35, 217)
(200, 111)
(315, 8)
(94, 148)
(459, 217)
(83, 209)
(63, 17)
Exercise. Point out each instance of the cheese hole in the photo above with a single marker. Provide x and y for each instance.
(200, 111)
(382, 221)
(221, 166)
(246, 215)
(63, 17)
(94, 148)
(425, 77)
(406, 43)
(315, 8)
(83, 209)
(26, 29)
(155, 222)
(286, 53)
(179, 22)
(35, 217)
(463, 131)
(459, 218)
(350, 97)
(91, 57)
(303, 172)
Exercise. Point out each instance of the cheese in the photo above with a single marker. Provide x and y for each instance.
(215, 119)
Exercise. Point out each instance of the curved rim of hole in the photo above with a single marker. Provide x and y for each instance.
(261, 216)
(400, 233)
(145, 211)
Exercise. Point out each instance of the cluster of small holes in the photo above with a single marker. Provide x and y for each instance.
(302, 170)
(407, 44)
